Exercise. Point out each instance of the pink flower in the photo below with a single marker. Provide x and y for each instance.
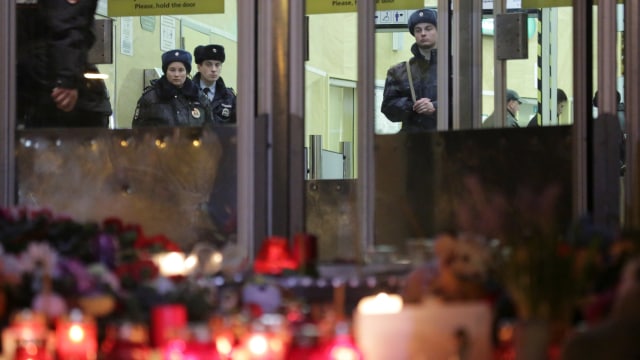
(38, 256)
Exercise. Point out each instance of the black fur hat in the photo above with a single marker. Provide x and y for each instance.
(423, 16)
(176, 55)
(209, 52)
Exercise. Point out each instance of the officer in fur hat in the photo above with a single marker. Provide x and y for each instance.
(220, 100)
(173, 99)
(410, 91)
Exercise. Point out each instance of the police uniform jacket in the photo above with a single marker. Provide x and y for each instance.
(397, 104)
(163, 104)
(223, 106)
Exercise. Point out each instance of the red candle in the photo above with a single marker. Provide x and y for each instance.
(274, 257)
(30, 334)
(126, 341)
(201, 350)
(76, 337)
(168, 323)
(32, 351)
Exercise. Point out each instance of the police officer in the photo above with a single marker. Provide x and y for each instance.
(221, 100)
(173, 99)
(410, 91)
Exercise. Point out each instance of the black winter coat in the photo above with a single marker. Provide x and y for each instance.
(53, 43)
(223, 106)
(397, 104)
(163, 104)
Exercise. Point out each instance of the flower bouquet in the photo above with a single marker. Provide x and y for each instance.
(52, 264)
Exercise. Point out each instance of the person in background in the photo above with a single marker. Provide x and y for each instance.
(173, 99)
(561, 102)
(619, 109)
(54, 83)
(513, 106)
(410, 91)
(221, 100)
(621, 127)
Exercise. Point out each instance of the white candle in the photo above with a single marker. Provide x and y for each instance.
(429, 330)
(382, 303)
(380, 321)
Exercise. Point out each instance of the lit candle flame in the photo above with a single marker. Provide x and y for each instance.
(258, 344)
(343, 353)
(76, 333)
(223, 345)
(382, 303)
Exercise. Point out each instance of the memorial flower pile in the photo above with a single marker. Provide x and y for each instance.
(53, 263)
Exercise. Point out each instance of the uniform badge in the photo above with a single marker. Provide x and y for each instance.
(196, 113)
(225, 112)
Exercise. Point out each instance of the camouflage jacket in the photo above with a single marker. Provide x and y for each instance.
(397, 104)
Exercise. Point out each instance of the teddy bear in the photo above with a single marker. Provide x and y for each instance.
(457, 271)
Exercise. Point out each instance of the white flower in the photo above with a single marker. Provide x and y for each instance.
(38, 257)
(104, 275)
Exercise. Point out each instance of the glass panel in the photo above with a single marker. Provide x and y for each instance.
(331, 79)
(420, 189)
(331, 72)
(128, 49)
(120, 169)
(540, 79)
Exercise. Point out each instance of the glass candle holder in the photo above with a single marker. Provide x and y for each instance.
(76, 337)
(26, 337)
(127, 340)
(168, 322)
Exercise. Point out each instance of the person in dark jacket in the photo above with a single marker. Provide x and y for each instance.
(417, 113)
(513, 103)
(173, 99)
(221, 100)
(55, 83)
(561, 103)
